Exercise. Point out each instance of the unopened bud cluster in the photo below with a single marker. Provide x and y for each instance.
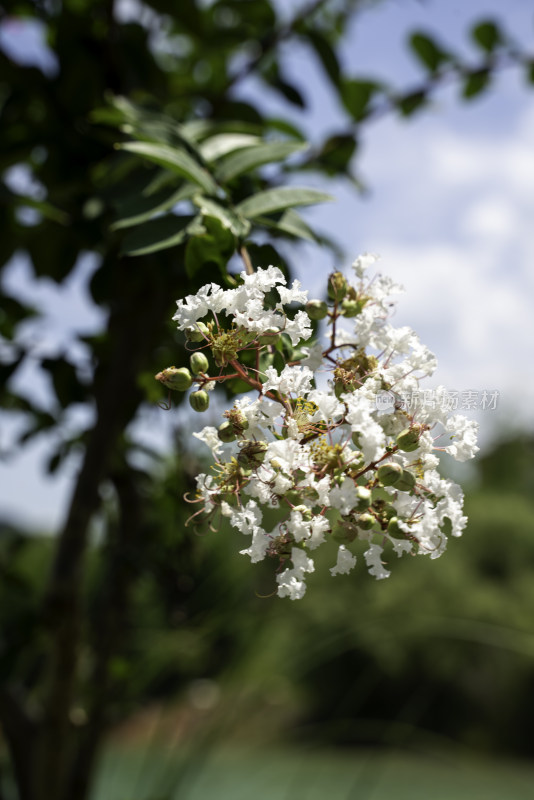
(312, 447)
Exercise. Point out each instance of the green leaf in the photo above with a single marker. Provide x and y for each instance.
(157, 234)
(229, 219)
(279, 199)
(224, 143)
(215, 246)
(357, 97)
(326, 54)
(428, 51)
(252, 157)
(141, 209)
(176, 160)
(475, 83)
(290, 222)
(487, 35)
(409, 103)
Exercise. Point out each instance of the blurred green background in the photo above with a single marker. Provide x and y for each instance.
(140, 660)
(420, 686)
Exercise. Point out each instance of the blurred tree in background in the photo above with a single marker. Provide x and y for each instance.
(101, 618)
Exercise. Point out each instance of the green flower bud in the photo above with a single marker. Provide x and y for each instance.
(316, 309)
(356, 439)
(408, 439)
(197, 333)
(226, 432)
(389, 511)
(351, 308)
(175, 378)
(365, 521)
(199, 400)
(199, 363)
(389, 474)
(394, 528)
(305, 511)
(364, 498)
(406, 481)
(337, 286)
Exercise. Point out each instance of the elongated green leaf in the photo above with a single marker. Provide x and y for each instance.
(253, 157)
(177, 160)
(278, 199)
(223, 143)
(157, 234)
(229, 219)
(290, 222)
(428, 51)
(141, 209)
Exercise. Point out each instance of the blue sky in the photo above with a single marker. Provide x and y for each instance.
(449, 208)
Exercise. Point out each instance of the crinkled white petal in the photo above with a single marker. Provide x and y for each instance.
(345, 561)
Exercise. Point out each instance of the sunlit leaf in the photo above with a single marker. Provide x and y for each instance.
(235, 223)
(176, 160)
(223, 143)
(278, 199)
(254, 157)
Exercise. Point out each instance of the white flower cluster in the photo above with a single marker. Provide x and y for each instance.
(313, 458)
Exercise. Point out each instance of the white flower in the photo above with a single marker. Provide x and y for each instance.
(298, 328)
(464, 433)
(209, 436)
(313, 356)
(360, 416)
(328, 406)
(292, 295)
(258, 548)
(247, 518)
(289, 586)
(345, 561)
(263, 279)
(374, 563)
(363, 262)
(344, 497)
(319, 525)
(292, 380)
(291, 581)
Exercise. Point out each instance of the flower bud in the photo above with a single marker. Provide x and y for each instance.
(175, 378)
(389, 474)
(394, 528)
(304, 511)
(408, 439)
(365, 521)
(406, 481)
(199, 363)
(337, 286)
(199, 400)
(198, 333)
(226, 432)
(316, 309)
(364, 498)
(351, 308)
